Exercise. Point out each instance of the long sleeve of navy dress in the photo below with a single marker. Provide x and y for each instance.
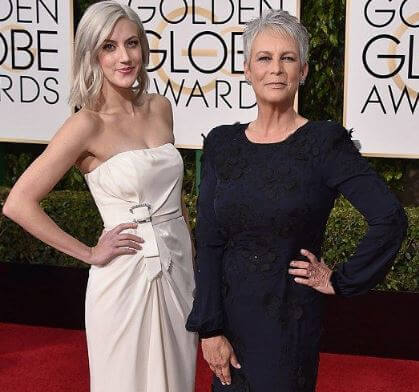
(259, 204)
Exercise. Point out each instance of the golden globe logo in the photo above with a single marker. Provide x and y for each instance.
(392, 55)
(196, 50)
(211, 45)
(400, 35)
(29, 52)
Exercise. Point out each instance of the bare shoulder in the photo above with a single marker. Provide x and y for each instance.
(84, 123)
(159, 102)
(161, 111)
(161, 106)
(76, 135)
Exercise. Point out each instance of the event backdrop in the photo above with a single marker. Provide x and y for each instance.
(382, 76)
(197, 60)
(35, 60)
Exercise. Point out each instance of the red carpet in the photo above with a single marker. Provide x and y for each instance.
(38, 359)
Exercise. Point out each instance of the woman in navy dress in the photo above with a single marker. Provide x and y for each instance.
(266, 193)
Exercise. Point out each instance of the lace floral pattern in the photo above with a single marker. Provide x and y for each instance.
(289, 223)
(275, 181)
(230, 162)
(260, 204)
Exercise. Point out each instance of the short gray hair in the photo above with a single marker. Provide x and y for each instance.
(94, 28)
(281, 21)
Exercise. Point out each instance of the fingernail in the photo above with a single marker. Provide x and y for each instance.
(239, 366)
(292, 264)
(223, 383)
(303, 251)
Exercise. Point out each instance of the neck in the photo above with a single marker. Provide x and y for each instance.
(116, 100)
(276, 122)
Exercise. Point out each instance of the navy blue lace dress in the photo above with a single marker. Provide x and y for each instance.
(259, 204)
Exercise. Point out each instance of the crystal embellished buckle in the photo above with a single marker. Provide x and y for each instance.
(145, 220)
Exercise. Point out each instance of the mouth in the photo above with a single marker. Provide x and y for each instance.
(125, 70)
(277, 84)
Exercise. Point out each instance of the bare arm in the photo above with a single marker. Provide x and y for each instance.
(22, 204)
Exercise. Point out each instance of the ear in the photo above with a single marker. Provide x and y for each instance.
(304, 71)
(246, 71)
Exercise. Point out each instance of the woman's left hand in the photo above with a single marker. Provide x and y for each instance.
(313, 273)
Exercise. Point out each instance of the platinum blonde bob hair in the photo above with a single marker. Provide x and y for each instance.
(94, 28)
(279, 21)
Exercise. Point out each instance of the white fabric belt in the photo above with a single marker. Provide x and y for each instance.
(152, 258)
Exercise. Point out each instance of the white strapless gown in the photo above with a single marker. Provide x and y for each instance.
(137, 305)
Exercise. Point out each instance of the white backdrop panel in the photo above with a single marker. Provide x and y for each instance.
(35, 55)
(197, 60)
(382, 76)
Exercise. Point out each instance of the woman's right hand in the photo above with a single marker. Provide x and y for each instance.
(219, 354)
(114, 243)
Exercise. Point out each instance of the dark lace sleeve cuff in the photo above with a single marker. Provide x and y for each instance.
(210, 334)
(335, 284)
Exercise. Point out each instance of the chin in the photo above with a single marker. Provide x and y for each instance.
(127, 85)
(278, 99)
(123, 84)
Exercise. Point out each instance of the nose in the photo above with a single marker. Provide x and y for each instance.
(277, 67)
(124, 55)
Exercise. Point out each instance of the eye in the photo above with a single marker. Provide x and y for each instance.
(133, 43)
(264, 58)
(288, 58)
(108, 47)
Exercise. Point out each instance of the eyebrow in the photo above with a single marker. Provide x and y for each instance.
(112, 41)
(268, 52)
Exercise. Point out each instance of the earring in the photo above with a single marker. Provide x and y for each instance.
(302, 82)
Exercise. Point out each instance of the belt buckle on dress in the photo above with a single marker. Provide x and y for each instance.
(145, 220)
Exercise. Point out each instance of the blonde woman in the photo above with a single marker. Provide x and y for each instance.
(141, 279)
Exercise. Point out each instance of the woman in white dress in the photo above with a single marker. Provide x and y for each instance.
(141, 277)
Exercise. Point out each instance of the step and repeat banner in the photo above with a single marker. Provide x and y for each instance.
(382, 76)
(35, 61)
(197, 62)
